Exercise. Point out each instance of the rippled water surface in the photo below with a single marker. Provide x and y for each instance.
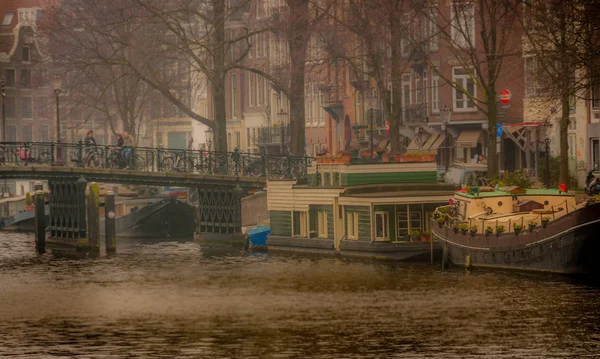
(186, 300)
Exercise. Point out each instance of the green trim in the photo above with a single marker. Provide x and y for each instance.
(281, 223)
(357, 179)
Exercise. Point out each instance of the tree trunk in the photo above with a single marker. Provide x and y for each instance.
(297, 39)
(218, 80)
(563, 128)
(395, 100)
(220, 122)
(492, 158)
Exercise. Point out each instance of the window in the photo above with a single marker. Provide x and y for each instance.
(8, 17)
(25, 53)
(463, 24)
(299, 224)
(233, 95)
(415, 219)
(382, 225)
(43, 135)
(595, 147)
(41, 104)
(533, 81)
(27, 134)
(464, 85)
(10, 107)
(572, 124)
(26, 107)
(259, 89)
(238, 141)
(229, 141)
(248, 137)
(322, 224)
(25, 77)
(406, 91)
(435, 94)
(9, 77)
(352, 225)
(250, 88)
(11, 133)
(572, 146)
(433, 31)
(596, 97)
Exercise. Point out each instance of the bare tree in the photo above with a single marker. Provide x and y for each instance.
(481, 35)
(168, 44)
(562, 41)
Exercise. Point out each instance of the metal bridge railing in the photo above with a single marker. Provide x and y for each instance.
(234, 163)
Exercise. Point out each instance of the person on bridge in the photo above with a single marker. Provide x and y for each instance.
(128, 144)
(90, 142)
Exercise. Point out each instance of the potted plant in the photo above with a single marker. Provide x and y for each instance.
(545, 221)
(489, 230)
(464, 227)
(473, 230)
(441, 220)
(517, 227)
(426, 236)
(499, 229)
(28, 202)
(415, 235)
(532, 225)
(455, 228)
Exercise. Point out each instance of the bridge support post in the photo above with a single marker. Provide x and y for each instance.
(110, 223)
(93, 218)
(67, 215)
(40, 222)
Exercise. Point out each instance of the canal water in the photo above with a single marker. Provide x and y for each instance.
(180, 299)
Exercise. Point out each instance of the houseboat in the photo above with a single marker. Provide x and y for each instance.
(515, 228)
(358, 209)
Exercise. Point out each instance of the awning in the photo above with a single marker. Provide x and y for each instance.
(437, 143)
(468, 139)
(430, 141)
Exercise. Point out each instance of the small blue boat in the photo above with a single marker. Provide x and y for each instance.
(258, 235)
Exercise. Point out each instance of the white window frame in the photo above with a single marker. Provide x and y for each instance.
(303, 224)
(386, 225)
(463, 80)
(352, 225)
(8, 17)
(322, 224)
(434, 37)
(435, 94)
(459, 24)
(250, 88)
(572, 145)
(233, 95)
(406, 80)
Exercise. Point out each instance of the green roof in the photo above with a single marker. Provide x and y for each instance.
(530, 192)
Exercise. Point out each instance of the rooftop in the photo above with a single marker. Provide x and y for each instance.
(529, 192)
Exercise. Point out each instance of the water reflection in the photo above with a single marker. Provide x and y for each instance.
(184, 300)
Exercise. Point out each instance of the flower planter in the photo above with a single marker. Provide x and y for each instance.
(415, 239)
(499, 232)
(517, 231)
(473, 233)
(544, 224)
(440, 224)
(531, 228)
(344, 159)
(464, 231)
(385, 158)
(425, 239)
(488, 233)
(455, 230)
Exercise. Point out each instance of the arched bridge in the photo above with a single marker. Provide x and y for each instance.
(221, 179)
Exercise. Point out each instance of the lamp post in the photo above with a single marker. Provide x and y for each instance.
(547, 146)
(3, 112)
(57, 84)
(208, 133)
(445, 117)
(371, 115)
(282, 125)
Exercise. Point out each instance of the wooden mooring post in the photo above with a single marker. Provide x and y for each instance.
(93, 218)
(110, 222)
(40, 221)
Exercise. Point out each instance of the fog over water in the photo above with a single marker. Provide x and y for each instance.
(181, 299)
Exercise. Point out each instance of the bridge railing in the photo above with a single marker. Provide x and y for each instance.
(234, 163)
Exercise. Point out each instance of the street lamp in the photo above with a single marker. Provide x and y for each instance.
(209, 138)
(282, 125)
(445, 117)
(57, 85)
(547, 145)
(3, 112)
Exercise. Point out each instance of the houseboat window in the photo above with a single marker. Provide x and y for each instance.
(382, 225)
(322, 224)
(352, 225)
(299, 224)
(415, 220)
(402, 222)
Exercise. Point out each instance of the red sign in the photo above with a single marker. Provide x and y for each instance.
(505, 96)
